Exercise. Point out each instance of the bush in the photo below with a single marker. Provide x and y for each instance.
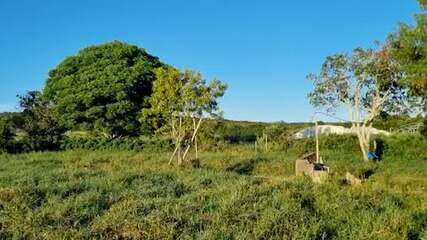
(408, 145)
(329, 142)
(43, 131)
(6, 136)
(393, 123)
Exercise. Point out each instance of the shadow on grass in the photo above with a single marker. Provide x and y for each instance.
(245, 167)
(367, 173)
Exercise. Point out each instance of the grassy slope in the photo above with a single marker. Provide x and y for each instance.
(237, 193)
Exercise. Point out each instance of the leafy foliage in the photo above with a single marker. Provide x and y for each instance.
(16, 119)
(183, 94)
(366, 83)
(6, 135)
(43, 131)
(103, 88)
(409, 47)
(355, 80)
(179, 102)
(119, 144)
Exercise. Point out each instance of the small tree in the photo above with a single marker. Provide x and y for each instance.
(40, 123)
(365, 82)
(179, 102)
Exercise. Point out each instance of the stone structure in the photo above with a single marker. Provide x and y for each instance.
(306, 166)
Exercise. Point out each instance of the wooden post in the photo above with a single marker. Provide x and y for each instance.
(179, 143)
(195, 139)
(266, 142)
(317, 143)
(173, 154)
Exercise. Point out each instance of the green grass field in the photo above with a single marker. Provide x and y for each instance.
(235, 194)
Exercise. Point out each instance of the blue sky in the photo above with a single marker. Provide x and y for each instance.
(262, 49)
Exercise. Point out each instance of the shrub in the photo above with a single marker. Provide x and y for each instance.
(408, 145)
(329, 142)
(43, 131)
(6, 135)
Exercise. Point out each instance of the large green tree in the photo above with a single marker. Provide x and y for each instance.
(102, 88)
(365, 83)
(409, 48)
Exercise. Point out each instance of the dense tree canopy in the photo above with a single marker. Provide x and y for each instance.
(409, 47)
(103, 88)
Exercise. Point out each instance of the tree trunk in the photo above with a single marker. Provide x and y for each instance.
(363, 135)
(179, 142)
(195, 140)
(192, 138)
(173, 154)
(179, 137)
(266, 143)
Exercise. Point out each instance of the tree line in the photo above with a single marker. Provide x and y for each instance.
(117, 90)
(113, 90)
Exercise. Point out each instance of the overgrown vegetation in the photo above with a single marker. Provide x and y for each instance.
(6, 135)
(236, 193)
(87, 156)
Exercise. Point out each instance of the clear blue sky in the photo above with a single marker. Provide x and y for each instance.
(262, 49)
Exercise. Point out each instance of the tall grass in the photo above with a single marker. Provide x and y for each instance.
(237, 193)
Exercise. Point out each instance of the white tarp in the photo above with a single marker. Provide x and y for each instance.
(332, 129)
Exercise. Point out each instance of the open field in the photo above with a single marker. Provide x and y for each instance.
(213, 120)
(235, 194)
